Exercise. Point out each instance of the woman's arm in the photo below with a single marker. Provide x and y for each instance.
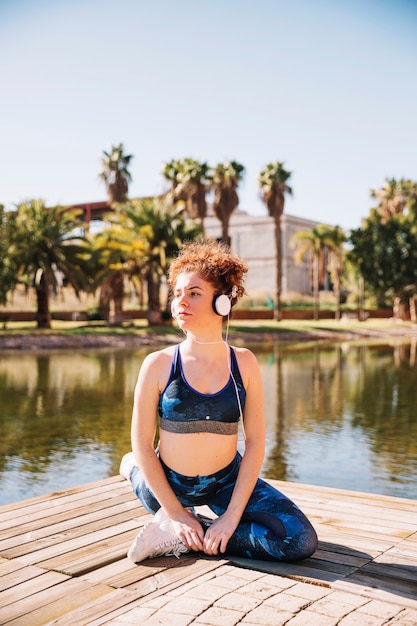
(151, 380)
(218, 535)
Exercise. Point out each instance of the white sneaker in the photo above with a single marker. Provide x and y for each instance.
(127, 464)
(156, 538)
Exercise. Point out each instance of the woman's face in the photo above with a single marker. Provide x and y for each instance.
(192, 302)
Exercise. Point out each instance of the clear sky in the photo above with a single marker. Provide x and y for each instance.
(329, 87)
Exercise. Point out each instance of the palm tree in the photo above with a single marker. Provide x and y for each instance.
(323, 243)
(308, 243)
(107, 267)
(392, 198)
(115, 174)
(410, 191)
(8, 266)
(48, 247)
(189, 179)
(273, 185)
(145, 235)
(334, 237)
(226, 177)
(171, 172)
(395, 197)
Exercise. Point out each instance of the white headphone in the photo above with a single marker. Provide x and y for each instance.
(221, 304)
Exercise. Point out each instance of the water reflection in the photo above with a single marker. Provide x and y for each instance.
(338, 415)
(345, 417)
(65, 418)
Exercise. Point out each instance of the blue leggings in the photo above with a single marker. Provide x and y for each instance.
(272, 527)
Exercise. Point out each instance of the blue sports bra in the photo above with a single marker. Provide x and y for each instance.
(182, 409)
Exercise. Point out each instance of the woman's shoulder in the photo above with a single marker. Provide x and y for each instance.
(243, 353)
(160, 357)
(245, 358)
(248, 367)
(156, 367)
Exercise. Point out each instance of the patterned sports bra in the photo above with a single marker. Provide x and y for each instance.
(182, 409)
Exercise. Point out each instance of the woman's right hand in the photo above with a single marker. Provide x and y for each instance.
(189, 530)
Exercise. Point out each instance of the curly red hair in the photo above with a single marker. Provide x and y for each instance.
(214, 262)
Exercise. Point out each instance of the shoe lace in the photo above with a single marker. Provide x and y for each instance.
(174, 547)
(169, 547)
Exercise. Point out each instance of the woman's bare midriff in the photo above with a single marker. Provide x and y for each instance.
(196, 454)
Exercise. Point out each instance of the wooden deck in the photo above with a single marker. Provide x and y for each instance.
(62, 561)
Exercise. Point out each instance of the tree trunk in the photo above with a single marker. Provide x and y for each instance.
(337, 291)
(397, 308)
(278, 248)
(413, 313)
(225, 229)
(118, 294)
(154, 315)
(361, 300)
(316, 285)
(104, 302)
(43, 315)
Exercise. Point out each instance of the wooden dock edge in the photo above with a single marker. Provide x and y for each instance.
(63, 561)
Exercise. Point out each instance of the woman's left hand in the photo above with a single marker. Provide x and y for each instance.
(218, 534)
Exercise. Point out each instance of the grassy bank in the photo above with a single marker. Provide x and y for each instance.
(256, 329)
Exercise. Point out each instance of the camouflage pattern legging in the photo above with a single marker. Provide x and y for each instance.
(272, 527)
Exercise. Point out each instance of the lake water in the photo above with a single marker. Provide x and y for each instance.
(340, 415)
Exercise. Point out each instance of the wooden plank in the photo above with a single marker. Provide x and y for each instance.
(355, 539)
(349, 557)
(402, 551)
(50, 604)
(365, 510)
(389, 534)
(375, 517)
(31, 586)
(371, 577)
(302, 571)
(123, 573)
(105, 485)
(119, 602)
(17, 573)
(217, 576)
(343, 495)
(56, 534)
(398, 559)
(7, 566)
(173, 571)
(86, 612)
(388, 573)
(84, 560)
(337, 506)
(324, 496)
(372, 592)
(98, 541)
(67, 519)
(100, 497)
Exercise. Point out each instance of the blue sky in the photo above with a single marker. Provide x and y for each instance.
(329, 87)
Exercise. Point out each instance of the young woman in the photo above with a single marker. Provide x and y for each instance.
(202, 389)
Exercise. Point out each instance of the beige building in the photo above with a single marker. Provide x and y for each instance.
(253, 238)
